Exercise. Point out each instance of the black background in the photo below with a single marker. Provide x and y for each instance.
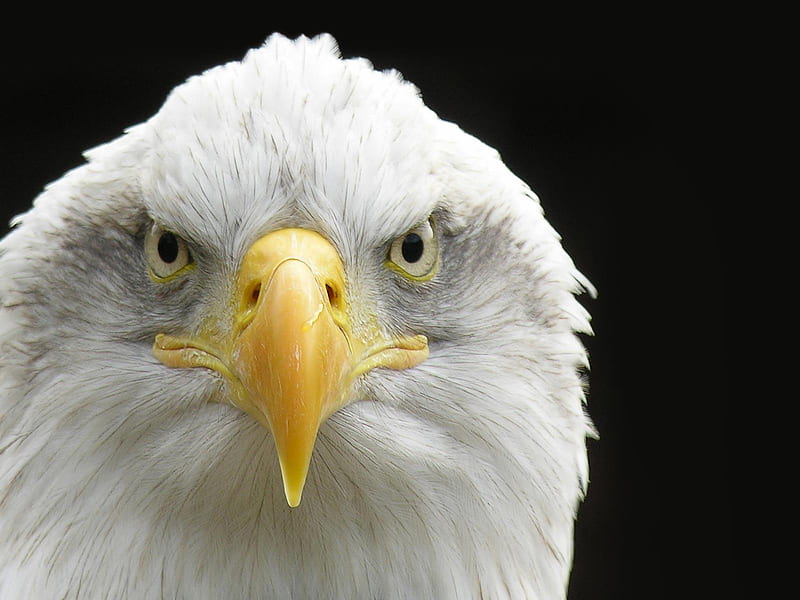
(610, 118)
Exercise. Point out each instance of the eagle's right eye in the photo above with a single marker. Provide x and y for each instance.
(167, 254)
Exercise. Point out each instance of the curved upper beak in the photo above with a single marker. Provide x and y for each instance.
(292, 353)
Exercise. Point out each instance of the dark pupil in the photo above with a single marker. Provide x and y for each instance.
(168, 247)
(412, 248)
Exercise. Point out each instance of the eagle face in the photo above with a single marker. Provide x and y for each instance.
(294, 336)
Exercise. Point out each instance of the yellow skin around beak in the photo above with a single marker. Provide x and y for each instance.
(292, 355)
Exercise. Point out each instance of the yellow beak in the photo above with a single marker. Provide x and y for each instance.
(292, 353)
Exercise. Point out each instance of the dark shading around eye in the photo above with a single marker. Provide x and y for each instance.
(412, 248)
(168, 247)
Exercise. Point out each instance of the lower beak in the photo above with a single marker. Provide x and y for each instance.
(293, 355)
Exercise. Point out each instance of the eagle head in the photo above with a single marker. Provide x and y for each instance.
(294, 282)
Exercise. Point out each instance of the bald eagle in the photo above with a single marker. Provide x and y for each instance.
(292, 337)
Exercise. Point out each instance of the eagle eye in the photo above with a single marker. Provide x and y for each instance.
(167, 254)
(415, 254)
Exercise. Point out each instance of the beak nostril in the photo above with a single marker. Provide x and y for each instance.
(333, 297)
(255, 293)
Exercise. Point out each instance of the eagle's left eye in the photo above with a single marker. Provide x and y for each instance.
(167, 254)
(415, 254)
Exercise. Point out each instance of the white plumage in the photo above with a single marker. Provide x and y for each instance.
(122, 475)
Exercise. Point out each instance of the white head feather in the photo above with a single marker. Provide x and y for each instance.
(458, 478)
